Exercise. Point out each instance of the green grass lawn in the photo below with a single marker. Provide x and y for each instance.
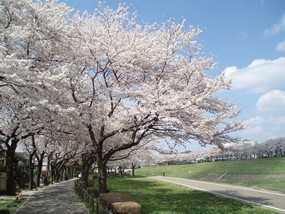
(158, 197)
(10, 204)
(267, 173)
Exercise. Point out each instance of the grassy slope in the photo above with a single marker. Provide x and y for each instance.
(268, 173)
(158, 197)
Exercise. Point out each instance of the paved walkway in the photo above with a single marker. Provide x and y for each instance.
(269, 200)
(53, 199)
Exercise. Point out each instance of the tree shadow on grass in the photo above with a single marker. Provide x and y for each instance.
(191, 202)
(158, 197)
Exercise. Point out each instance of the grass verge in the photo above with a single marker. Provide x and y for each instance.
(158, 197)
(9, 203)
(267, 173)
(84, 202)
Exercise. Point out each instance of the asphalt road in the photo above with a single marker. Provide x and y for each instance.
(269, 200)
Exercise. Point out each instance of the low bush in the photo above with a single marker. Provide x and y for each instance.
(106, 200)
(93, 191)
(82, 184)
(126, 207)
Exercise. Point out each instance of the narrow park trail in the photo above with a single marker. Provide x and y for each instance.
(54, 199)
(269, 200)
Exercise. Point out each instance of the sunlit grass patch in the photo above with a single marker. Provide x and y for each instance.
(158, 197)
(267, 173)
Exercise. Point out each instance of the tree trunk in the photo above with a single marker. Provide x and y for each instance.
(121, 171)
(72, 171)
(102, 176)
(11, 166)
(31, 169)
(133, 170)
(87, 160)
(52, 173)
(85, 174)
(48, 172)
(65, 173)
(85, 170)
(57, 175)
(40, 166)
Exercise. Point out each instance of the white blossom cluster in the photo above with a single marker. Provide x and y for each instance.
(102, 79)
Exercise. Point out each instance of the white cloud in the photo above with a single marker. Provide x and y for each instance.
(277, 128)
(258, 77)
(279, 120)
(275, 132)
(253, 130)
(271, 137)
(281, 46)
(254, 120)
(273, 101)
(276, 28)
(262, 127)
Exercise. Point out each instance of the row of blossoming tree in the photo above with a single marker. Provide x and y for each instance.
(241, 151)
(94, 86)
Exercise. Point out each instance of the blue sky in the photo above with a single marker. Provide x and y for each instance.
(247, 39)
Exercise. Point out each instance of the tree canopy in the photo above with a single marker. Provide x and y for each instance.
(104, 79)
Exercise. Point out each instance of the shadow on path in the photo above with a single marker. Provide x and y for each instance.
(55, 199)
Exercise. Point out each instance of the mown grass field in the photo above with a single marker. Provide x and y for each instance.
(164, 198)
(158, 197)
(267, 173)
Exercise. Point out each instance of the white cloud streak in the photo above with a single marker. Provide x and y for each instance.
(281, 46)
(259, 77)
(278, 120)
(255, 120)
(253, 130)
(273, 101)
(276, 28)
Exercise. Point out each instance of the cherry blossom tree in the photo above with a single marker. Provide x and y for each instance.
(40, 156)
(129, 82)
(105, 77)
(15, 125)
(33, 40)
(31, 151)
(134, 157)
(88, 158)
(37, 148)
